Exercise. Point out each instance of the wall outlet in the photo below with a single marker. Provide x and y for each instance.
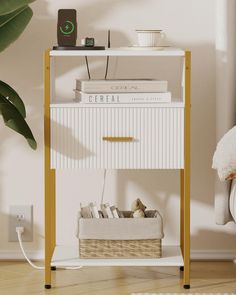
(21, 216)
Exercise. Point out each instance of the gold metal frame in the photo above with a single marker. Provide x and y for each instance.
(50, 176)
(185, 175)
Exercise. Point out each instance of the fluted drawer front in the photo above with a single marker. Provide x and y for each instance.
(117, 138)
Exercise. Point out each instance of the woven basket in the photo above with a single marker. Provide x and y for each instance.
(121, 237)
(120, 248)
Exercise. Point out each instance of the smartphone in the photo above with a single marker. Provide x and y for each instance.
(66, 27)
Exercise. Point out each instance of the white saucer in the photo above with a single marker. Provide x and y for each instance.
(137, 47)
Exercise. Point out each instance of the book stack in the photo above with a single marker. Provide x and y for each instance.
(107, 211)
(122, 91)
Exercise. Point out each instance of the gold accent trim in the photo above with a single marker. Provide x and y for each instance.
(186, 176)
(182, 210)
(50, 177)
(117, 139)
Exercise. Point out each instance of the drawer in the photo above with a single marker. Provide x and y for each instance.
(117, 138)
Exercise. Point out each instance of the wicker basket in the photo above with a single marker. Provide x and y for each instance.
(120, 248)
(121, 237)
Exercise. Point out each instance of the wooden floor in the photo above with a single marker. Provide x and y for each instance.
(19, 278)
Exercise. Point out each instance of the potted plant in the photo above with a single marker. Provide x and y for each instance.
(14, 17)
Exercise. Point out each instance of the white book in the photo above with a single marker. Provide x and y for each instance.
(94, 210)
(116, 98)
(120, 86)
(114, 212)
(106, 210)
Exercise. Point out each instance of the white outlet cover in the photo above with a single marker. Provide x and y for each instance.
(21, 216)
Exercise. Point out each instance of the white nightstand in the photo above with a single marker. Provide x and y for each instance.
(124, 136)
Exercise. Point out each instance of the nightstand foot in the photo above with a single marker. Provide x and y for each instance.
(53, 268)
(186, 286)
(181, 268)
(47, 286)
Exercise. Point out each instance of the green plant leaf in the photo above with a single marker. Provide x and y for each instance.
(8, 17)
(12, 29)
(8, 92)
(8, 6)
(14, 120)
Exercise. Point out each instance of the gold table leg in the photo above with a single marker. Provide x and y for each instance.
(185, 176)
(50, 180)
(182, 210)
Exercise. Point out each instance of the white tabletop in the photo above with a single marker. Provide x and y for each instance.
(123, 51)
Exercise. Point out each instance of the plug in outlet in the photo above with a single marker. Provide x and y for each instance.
(21, 216)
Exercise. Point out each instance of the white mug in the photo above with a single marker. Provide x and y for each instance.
(150, 38)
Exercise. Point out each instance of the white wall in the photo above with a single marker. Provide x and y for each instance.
(187, 23)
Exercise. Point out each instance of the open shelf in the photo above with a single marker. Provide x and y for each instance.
(166, 51)
(68, 256)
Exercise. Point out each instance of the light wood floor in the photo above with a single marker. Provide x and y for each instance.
(19, 278)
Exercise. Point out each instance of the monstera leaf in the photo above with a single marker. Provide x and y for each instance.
(13, 118)
(8, 6)
(14, 17)
(7, 92)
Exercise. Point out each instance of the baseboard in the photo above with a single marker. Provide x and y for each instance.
(17, 255)
(195, 255)
(213, 255)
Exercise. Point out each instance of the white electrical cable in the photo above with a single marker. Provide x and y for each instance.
(73, 268)
(103, 186)
(20, 231)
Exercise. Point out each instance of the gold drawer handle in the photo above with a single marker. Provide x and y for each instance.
(115, 139)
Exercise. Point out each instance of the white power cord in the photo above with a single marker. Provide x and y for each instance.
(103, 185)
(20, 231)
(72, 268)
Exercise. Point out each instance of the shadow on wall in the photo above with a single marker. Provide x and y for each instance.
(41, 34)
(202, 148)
(154, 190)
(25, 59)
(80, 153)
(214, 239)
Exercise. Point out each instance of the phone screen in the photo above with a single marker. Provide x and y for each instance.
(66, 27)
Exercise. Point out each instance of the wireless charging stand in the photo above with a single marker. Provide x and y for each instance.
(67, 32)
(78, 48)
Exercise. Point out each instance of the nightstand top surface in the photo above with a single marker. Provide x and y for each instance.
(123, 51)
